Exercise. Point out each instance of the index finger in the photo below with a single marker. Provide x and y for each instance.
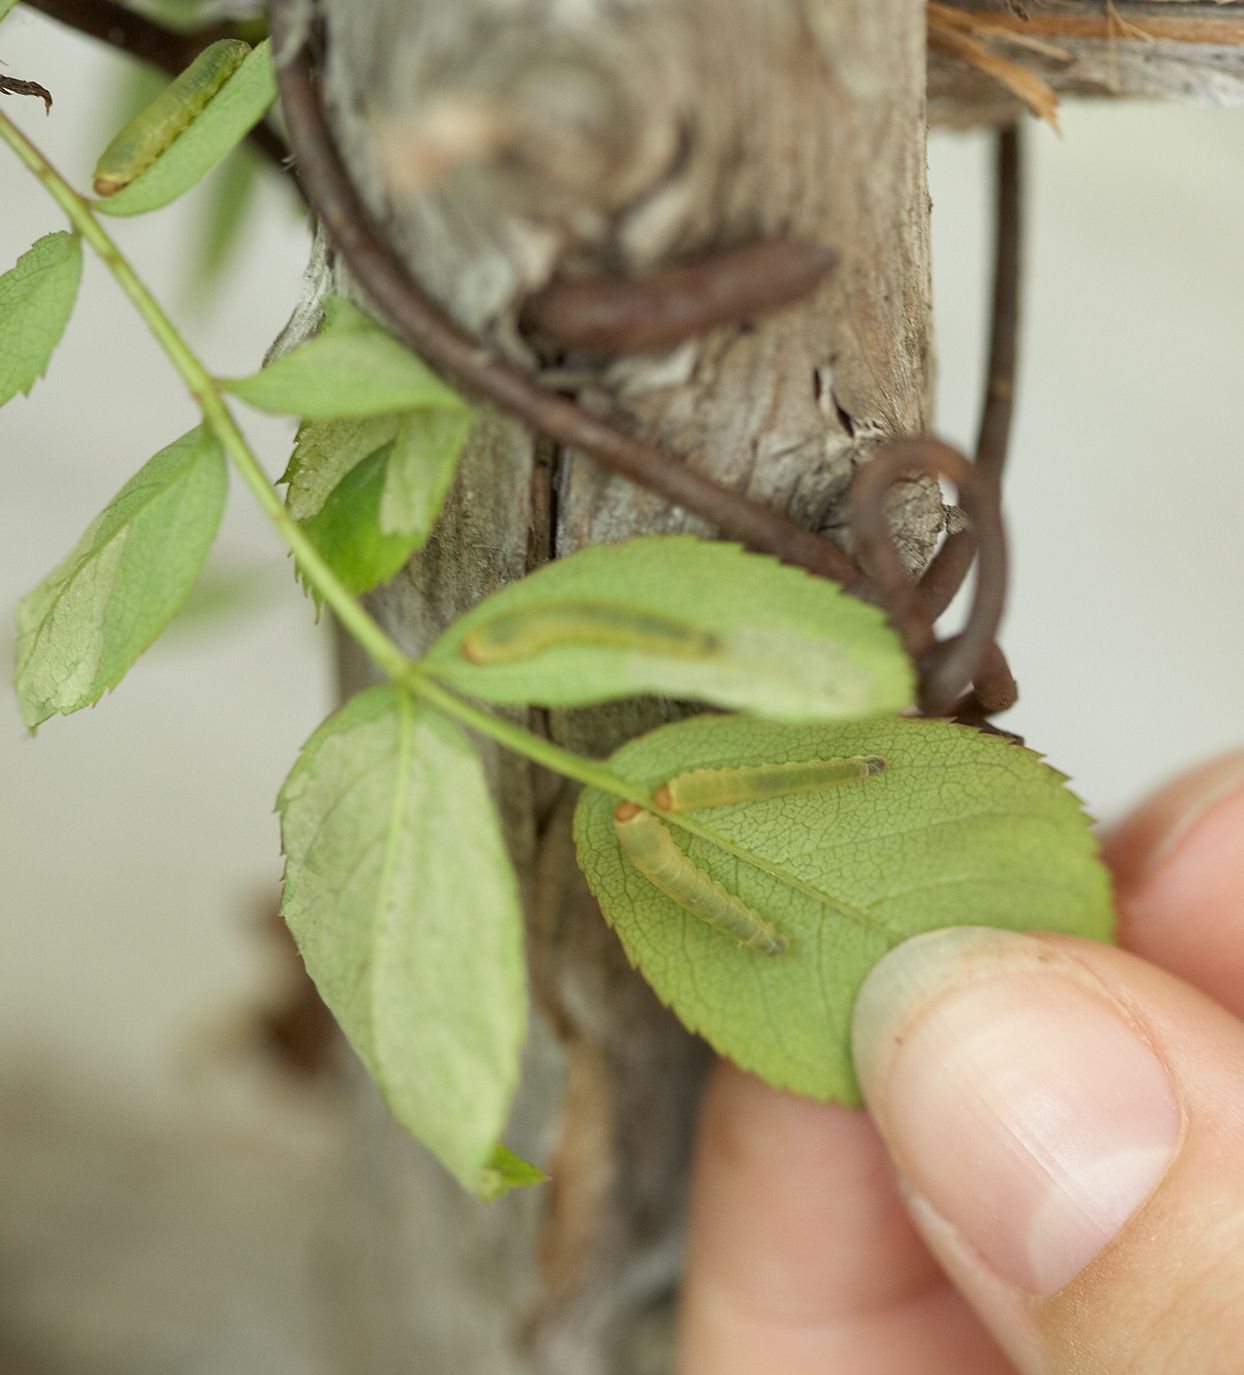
(1178, 862)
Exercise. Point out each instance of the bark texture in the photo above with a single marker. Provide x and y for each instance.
(1191, 51)
(502, 142)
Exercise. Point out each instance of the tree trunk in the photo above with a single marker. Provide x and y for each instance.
(502, 142)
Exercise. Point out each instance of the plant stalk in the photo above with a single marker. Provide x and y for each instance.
(383, 650)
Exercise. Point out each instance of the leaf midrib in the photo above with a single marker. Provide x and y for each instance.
(404, 712)
(96, 550)
(845, 909)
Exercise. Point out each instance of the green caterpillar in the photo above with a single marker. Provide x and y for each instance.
(145, 137)
(648, 845)
(519, 634)
(688, 792)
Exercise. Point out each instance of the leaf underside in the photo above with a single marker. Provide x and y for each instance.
(222, 124)
(960, 828)
(351, 368)
(37, 296)
(368, 491)
(783, 644)
(86, 623)
(366, 484)
(401, 897)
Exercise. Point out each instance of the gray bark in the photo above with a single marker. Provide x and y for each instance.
(616, 135)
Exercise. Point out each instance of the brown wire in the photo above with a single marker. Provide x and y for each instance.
(945, 574)
(617, 317)
(945, 668)
(421, 325)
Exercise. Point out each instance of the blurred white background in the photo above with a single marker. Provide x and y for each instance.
(138, 845)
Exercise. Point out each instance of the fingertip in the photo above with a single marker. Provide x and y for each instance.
(1067, 1117)
(1178, 862)
(978, 1041)
(1150, 834)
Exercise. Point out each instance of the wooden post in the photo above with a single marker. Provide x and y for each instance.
(502, 142)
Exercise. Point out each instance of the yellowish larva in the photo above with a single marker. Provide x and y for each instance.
(688, 792)
(647, 843)
(145, 137)
(516, 635)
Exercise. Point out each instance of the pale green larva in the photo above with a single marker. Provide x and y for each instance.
(647, 843)
(516, 635)
(688, 792)
(144, 138)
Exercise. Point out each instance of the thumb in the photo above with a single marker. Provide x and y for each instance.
(1068, 1122)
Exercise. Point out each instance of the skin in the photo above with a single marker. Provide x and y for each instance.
(805, 1260)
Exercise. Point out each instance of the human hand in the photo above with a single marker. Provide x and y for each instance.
(1067, 1121)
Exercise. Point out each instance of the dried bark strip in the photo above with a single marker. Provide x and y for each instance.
(1182, 50)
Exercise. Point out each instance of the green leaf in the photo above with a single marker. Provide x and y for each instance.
(6, 6)
(351, 368)
(368, 488)
(425, 444)
(227, 118)
(421, 470)
(683, 617)
(85, 624)
(182, 15)
(36, 300)
(506, 1171)
(959, 828)
(340, 313)
(400, 894)
(384, 507)
(346, 529)
(325, 452)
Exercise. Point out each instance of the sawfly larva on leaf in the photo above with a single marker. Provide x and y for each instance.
(149, 134)
(688, 792)
(516, 635)
(647, 843)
